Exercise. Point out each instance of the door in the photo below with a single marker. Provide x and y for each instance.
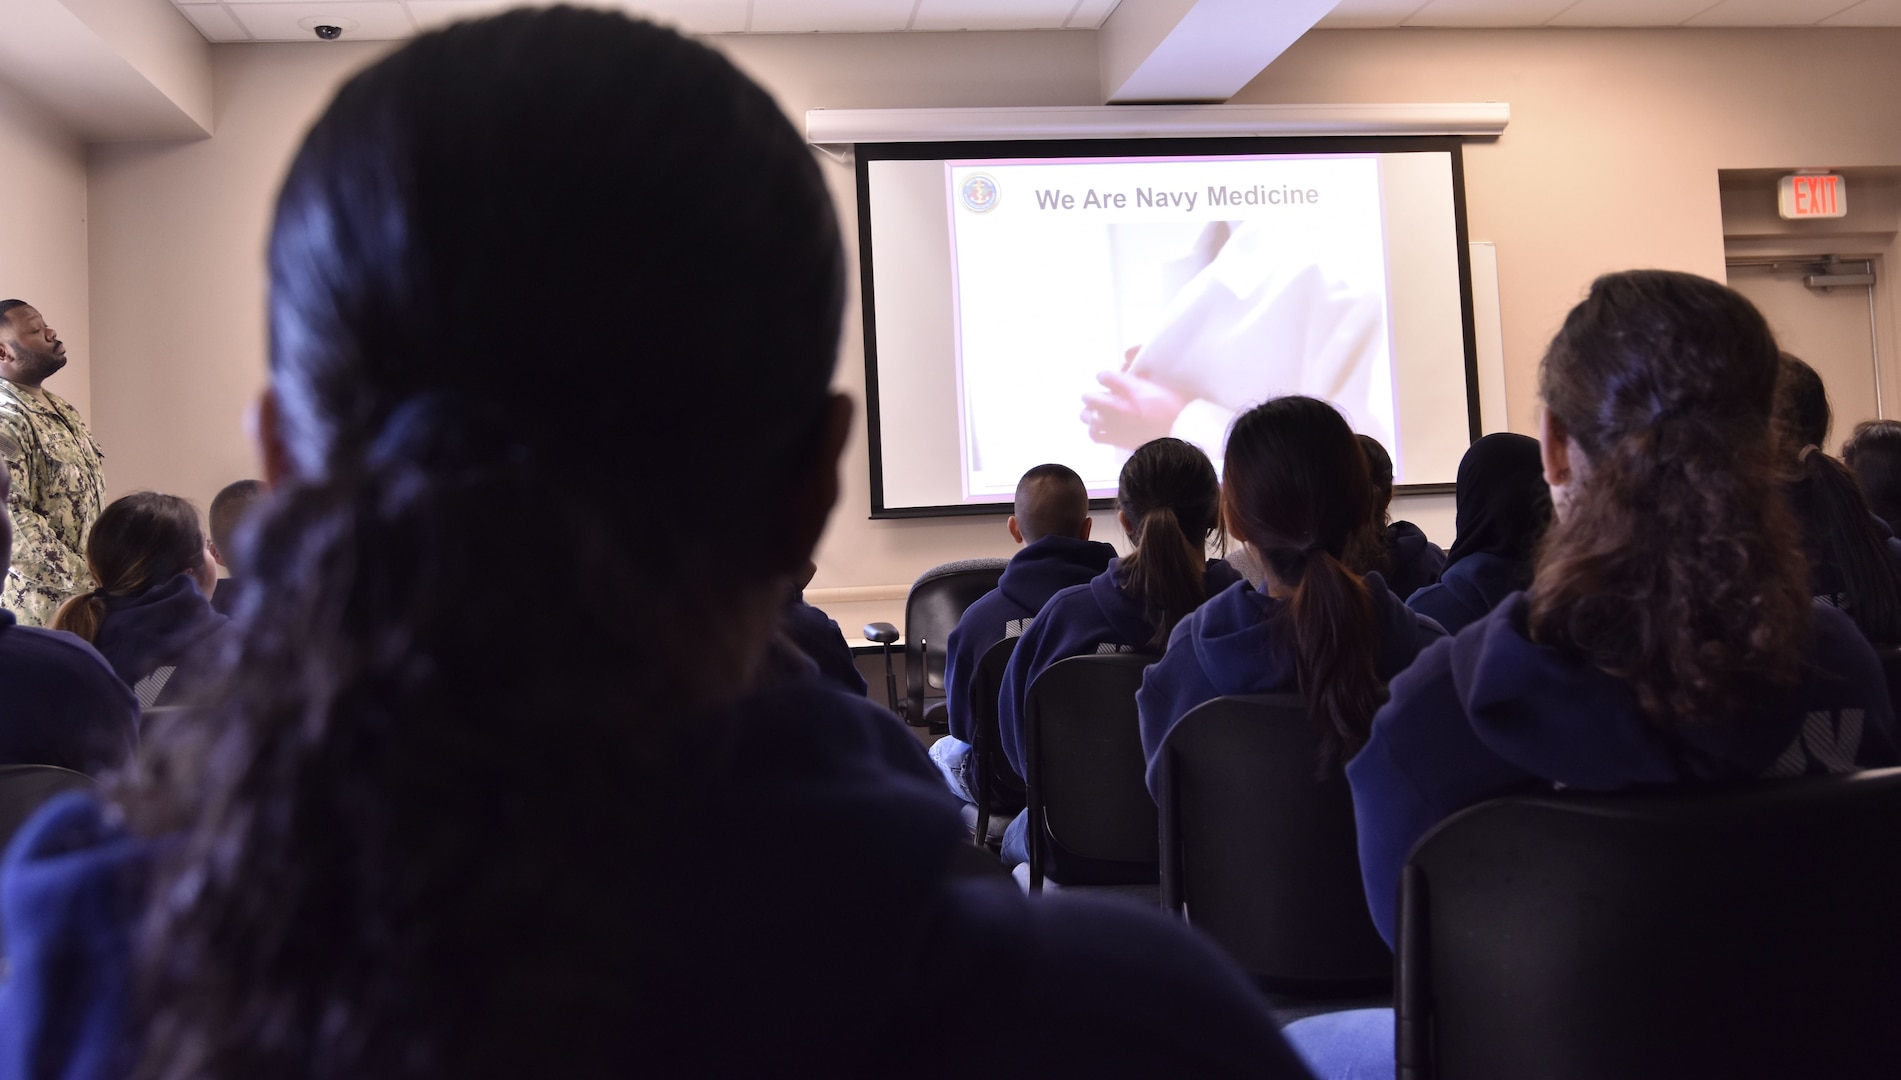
(1831, 327)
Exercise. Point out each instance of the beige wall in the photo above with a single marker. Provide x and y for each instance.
(178, 271)
(1610, 161)
(43, 246)
(1611, 158)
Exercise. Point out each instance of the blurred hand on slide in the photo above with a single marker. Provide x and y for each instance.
(1130, 410)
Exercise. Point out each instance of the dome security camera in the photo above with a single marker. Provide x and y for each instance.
(326, 32)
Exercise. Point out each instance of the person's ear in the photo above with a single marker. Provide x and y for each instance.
(813, 492)
(267, 435)
(1015, 533)
(1560, 458)
(1088, 522)
(216, 555)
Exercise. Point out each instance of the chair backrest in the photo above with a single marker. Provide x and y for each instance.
(1743, 931)
(938, 598)
(997, 787)
(1083, 753)
(24, 789)
(1260, 853)
(1891, 667)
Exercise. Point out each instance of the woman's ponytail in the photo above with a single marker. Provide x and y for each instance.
(1335, 642)
(82, 616)
(1170, 495)
(1299, 491)
(1166, 570)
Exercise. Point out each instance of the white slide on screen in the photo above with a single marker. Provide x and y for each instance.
(1030, 311)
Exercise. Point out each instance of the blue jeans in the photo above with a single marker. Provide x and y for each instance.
(1353, 1045)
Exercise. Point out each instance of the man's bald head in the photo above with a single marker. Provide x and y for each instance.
(1051, 501)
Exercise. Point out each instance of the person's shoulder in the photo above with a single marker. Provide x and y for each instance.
(35, 653)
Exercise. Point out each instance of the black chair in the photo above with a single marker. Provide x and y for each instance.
(1086, 786)
(938, 598)
(1744, 931)
(1261, 855)
(1891, 668)
(24, 789)
(994, 785)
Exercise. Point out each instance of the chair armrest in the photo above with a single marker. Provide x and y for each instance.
(882, 633)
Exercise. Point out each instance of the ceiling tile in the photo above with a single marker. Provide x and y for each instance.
(1630, 12)
(1868, 13)
(1770, 12)
(1090, 14)
(385, 21)
(837, 16)
(1487, 12)
(991, 14)
(214, 22)
(1368, 14)
(693, 16)
(430, 14)
(690, 16)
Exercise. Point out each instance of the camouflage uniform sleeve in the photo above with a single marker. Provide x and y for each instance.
(41, 558)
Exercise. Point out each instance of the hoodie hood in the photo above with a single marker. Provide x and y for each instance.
(1239, 638)
(162, 625)
(1580, 727)
(1416, 560)
(1124, 613)
(1050, 565)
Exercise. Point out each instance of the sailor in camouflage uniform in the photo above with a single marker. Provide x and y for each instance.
(58, 488)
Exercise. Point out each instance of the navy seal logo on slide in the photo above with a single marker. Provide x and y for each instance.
(979, 193)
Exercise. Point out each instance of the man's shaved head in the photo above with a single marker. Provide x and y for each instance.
(1052, 501)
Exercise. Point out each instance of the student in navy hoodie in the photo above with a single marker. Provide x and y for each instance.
(1874, 452)
(1667, 636)
(1294, 493)
(1169, 505)
(1854, 559)
(1503, 506)
(816, 637)
(229, 507)
(1404, 557)
(150, 617)
(421, 837)
(1051, 521)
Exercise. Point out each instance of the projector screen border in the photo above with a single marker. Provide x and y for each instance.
(866, 153)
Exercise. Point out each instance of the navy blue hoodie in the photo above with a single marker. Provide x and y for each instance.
(60, 703)
(1038, 572)
(1239, 643)
(1084, 620)
(817, 635)
(839, 941)
(1416, 560)
(170, 623)
(1468, 589)
(1489, 713)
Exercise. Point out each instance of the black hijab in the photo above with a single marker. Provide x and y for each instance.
(1502, 502)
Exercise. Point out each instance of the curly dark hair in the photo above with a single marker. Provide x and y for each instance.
(1675, 564)
(421, 827)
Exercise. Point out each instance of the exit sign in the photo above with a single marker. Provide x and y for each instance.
(1808, 195)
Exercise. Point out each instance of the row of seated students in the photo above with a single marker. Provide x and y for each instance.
(1662, 632)
(402, 834)
(148, 634)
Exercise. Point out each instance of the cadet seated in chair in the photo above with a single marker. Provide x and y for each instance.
(1052, 523)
